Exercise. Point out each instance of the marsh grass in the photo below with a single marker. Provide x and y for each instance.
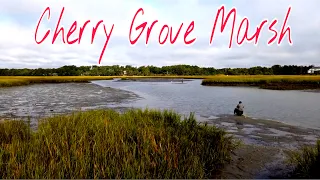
(106, 144)
(306, 162)
(277, 82)
(9, 81)
(266, 82)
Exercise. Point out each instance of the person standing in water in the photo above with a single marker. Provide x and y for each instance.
(239, 109)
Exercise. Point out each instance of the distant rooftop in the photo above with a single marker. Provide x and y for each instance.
(315, 68)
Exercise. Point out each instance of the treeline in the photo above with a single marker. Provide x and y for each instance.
(117, 70)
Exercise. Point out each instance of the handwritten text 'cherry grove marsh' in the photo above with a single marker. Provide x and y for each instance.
(166, 34)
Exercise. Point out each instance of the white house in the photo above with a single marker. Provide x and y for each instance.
(313, 70)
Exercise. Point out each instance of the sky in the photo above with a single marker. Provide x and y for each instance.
(19, 19)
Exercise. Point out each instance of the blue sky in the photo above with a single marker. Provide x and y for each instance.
(18, 20)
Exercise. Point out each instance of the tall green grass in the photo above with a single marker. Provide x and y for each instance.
(307, 162)
(106, 144)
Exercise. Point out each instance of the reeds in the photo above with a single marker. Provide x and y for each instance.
(266, 82)
(9, 81)
(147, 144)
(307, 162)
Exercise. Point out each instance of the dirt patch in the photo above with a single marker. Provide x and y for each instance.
(257, 162)
(266, 132)
(266, 145)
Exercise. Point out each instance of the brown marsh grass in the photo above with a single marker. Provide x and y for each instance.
(266, 82)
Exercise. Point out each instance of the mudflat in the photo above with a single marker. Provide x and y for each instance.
(265, 146)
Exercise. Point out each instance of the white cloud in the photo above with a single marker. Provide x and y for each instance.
(18, 20)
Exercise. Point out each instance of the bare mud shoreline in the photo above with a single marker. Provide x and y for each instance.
(43, 100)
(265, 132)
(265, 148)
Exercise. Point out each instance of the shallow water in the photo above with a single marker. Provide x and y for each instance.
(293, 107)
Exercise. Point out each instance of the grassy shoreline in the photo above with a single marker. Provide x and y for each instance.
(104, 144)
(274, 82)
(10, 81)
(266, 82)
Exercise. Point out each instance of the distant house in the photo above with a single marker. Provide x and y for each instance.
(124, 73)
(314, 70)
